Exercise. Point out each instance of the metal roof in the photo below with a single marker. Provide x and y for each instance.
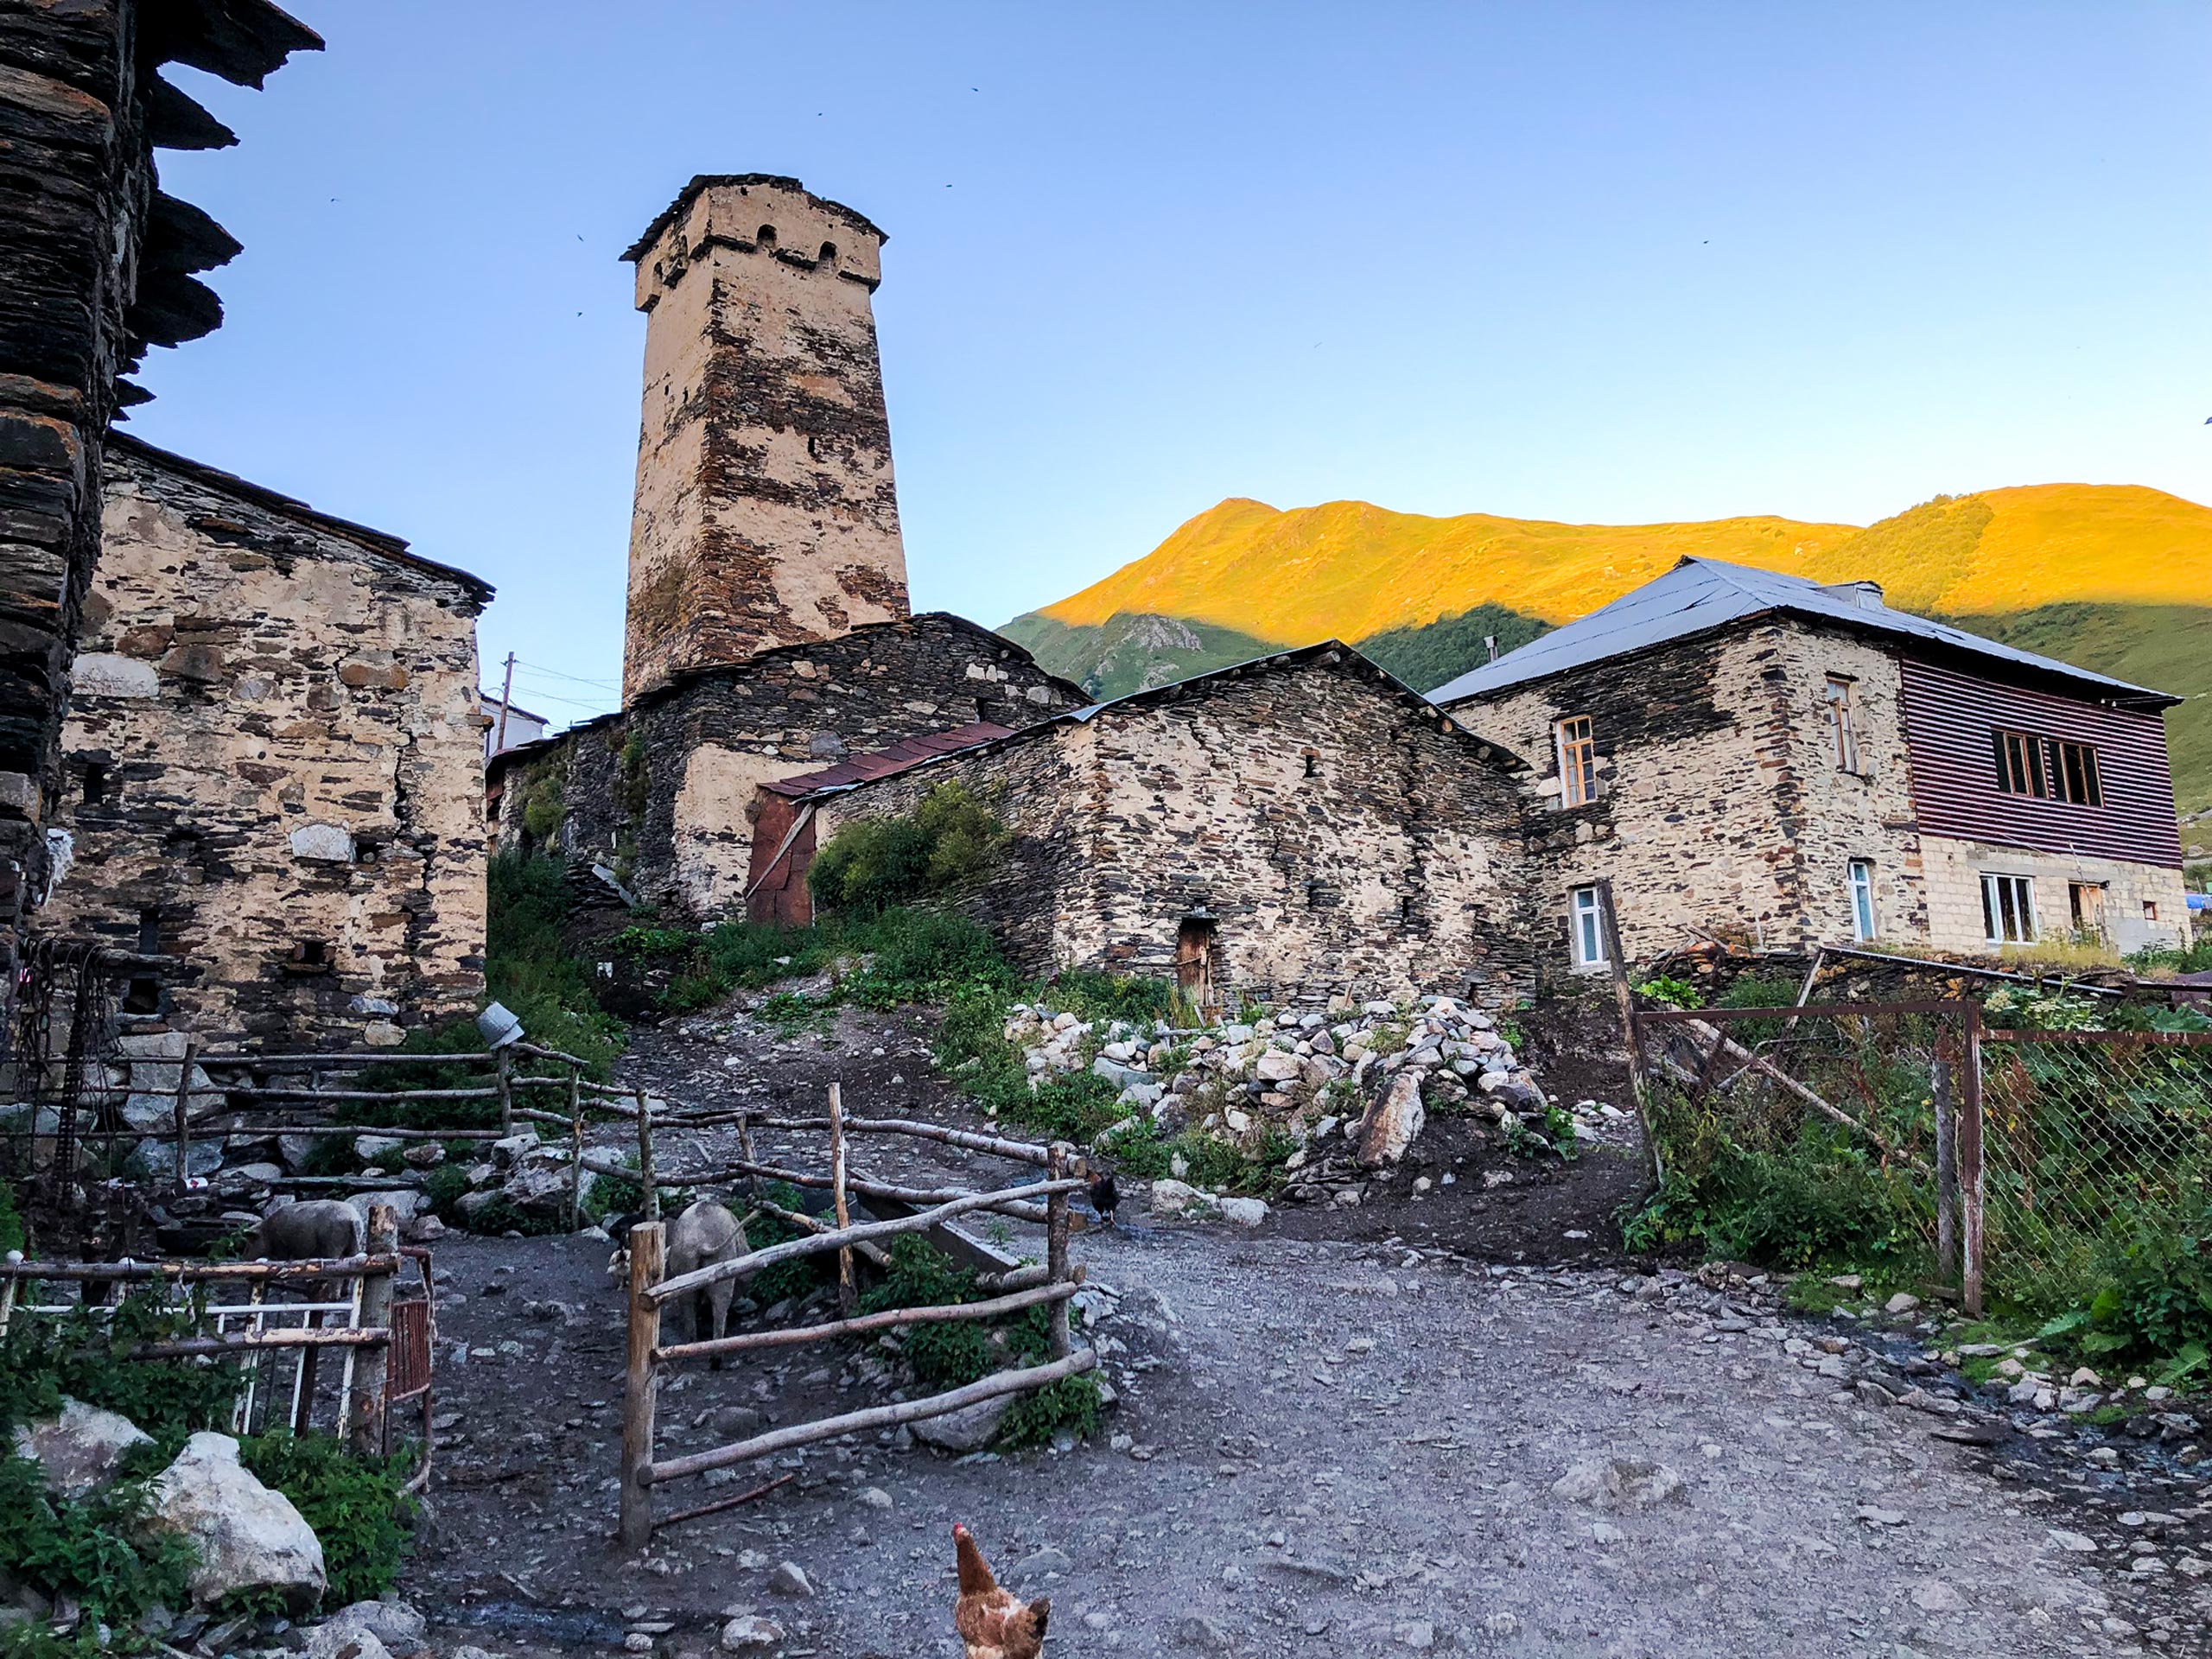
(1700, 595)
(903, 756)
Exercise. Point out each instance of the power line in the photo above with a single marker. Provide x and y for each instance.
(539, 668)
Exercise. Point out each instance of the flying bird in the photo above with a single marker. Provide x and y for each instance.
(991, 1623)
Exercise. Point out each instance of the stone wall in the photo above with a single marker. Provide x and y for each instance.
(663, 793)
(1339, 839)
(1720, 805)
(96, 264)
(274, 764)
(1954, 881)
(766, 514)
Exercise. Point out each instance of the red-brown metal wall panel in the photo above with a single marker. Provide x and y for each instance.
(1950, 718)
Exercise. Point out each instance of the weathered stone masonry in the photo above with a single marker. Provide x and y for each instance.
(663, 794)
(1335, 833)
(766, 511)
(96, 264)
(274, 758)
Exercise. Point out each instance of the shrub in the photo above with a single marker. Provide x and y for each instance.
(93, 1548)
(875, 864)
(1073, 1404)
(11, 1221)
(81, 1356)
(354, 1504)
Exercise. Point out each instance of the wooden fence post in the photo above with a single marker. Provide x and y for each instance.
(1969, 1157)
(745, 1145)
(1056, 1245)
(575, 1147)
(375, 1363)
(651, 1206)
(1639, 1086)
(1943, 1095)
(184, 1109)
(638, 1395)
(503, 1066)
(848, 1292)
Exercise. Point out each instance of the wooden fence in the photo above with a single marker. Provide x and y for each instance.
(1050, 1285)
(383, 1331)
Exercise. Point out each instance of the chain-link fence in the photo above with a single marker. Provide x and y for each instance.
(1800, 1136)
(2094, 1144)
(2029, 1165)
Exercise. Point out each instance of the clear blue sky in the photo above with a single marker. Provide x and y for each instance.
(1602, 263)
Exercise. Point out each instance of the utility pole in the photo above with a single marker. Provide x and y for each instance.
(507, 692)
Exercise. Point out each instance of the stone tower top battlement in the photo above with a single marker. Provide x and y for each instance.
(755, 212)
(766, 511)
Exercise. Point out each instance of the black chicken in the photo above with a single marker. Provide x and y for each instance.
(1105, 1197)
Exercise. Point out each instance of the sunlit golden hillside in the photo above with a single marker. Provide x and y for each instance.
(2116, 577)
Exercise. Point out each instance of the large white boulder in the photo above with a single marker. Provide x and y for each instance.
(1393, 1122)
(246, 1536)
(78, 1451)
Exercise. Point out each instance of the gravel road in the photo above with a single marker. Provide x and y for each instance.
(1340, 1446)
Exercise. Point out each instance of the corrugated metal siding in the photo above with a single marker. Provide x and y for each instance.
(1949, 721)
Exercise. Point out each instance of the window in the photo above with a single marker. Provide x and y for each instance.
(1843, 736)
(1862, 898)
(2150, 910)
(2008, 909)
(1577, 762)
(2085, 908)
(1588, 922)
(1312, 763)
(2047, 768)
(95, 784)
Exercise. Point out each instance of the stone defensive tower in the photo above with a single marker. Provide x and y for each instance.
(766, 514)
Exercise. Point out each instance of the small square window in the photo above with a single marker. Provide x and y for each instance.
(2008, 909)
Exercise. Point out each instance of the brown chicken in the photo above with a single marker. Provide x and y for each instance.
(990, 1621)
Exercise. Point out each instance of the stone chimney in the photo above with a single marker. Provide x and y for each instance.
(766, 514)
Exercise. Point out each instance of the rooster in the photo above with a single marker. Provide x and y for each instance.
(990, 1621)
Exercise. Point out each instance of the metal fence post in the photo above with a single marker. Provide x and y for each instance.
(184, 1110)
(1969, 1145)
(366, 1430)
(1943, 1095)
(640, 1385)
(1055, 1246)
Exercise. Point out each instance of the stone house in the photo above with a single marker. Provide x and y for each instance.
(273, 765)
(1797, 764)
(1296, 828)
(768, 630)
(96, 263)
(661, 795)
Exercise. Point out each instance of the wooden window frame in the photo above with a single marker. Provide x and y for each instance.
(1837, 702)
(2047, 768)
(1997, 887)
(1575, 739)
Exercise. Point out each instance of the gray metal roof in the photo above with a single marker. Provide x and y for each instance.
(1700, 595)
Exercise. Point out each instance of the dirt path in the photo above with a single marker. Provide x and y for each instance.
(1323, 1446)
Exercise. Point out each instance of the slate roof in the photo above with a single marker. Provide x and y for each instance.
(1699, 595)
(920, 751)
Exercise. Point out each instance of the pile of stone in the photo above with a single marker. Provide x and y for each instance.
(1359, 1076)
(245, 1538)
